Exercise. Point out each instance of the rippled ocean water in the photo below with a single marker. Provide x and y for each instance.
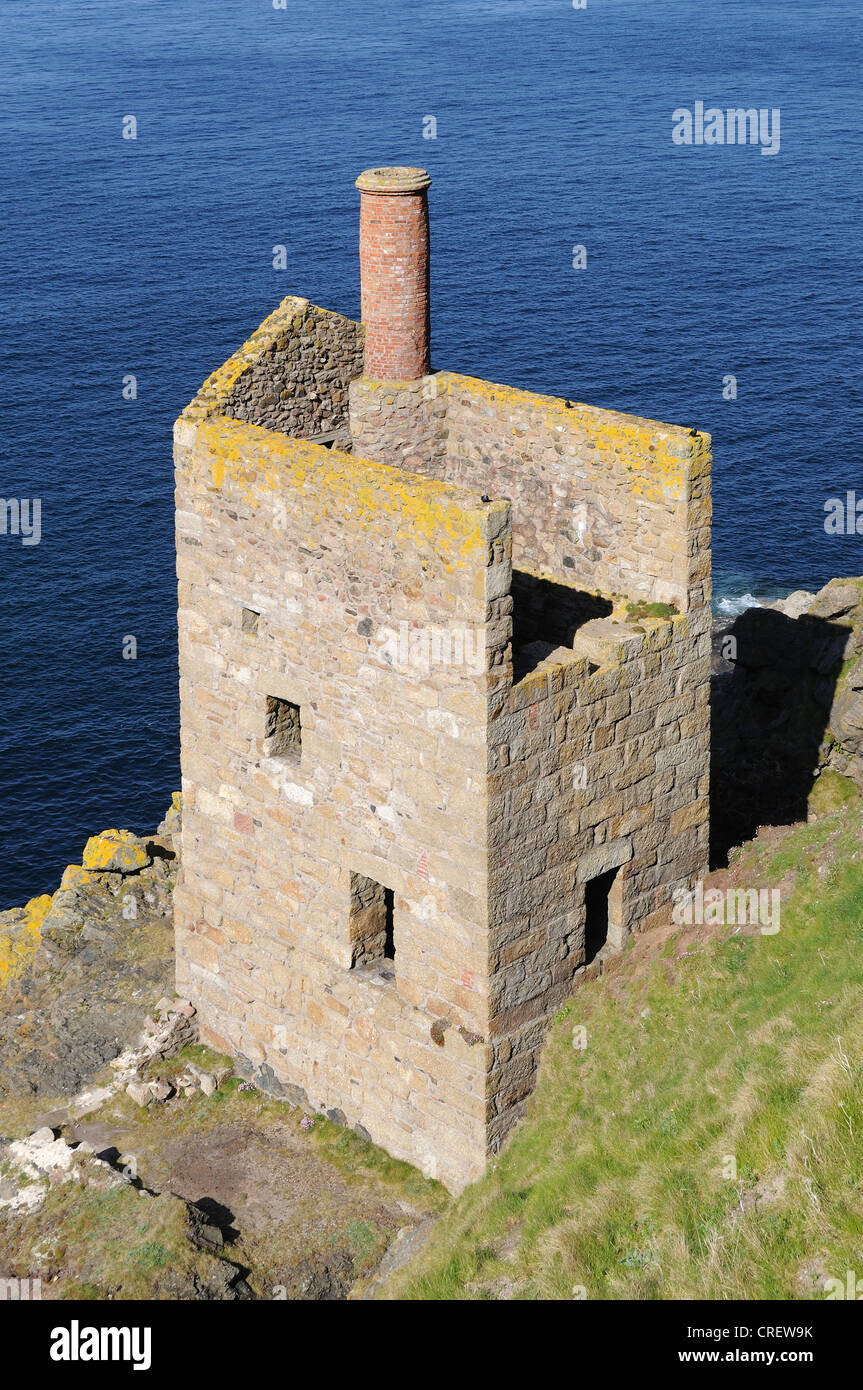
(153, 258)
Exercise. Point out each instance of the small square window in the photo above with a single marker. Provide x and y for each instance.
(249, 620)
(283, 736)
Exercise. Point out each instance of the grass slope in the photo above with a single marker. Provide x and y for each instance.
(710, 1051)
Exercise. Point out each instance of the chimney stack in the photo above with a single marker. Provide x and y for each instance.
(394, 272)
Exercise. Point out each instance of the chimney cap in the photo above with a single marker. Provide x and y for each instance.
(396, 179)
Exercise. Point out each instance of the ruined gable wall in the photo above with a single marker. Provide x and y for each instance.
(402, 423)
(334, 554)
(292, 375)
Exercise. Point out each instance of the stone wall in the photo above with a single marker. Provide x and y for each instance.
(600, 500)
(596, 769)
(402, 423)
(313, 577)
(293, 374)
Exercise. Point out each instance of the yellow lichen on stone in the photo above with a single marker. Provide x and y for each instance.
(37, 910)
(329, 484)
(74, 875)
(114, 851)
(657, 458)
(20, 936)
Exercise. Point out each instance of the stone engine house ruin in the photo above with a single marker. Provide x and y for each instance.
(444, 673)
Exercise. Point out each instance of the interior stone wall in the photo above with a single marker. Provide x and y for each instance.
(293, 374)
(601, 501)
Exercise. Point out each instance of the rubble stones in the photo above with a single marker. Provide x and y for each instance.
(161, 1090)
(159, 1041)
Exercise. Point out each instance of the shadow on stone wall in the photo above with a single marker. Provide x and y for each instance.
(545, 616)
(773, 686)
(543, 611)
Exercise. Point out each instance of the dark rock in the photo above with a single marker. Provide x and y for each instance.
(266, 1080)
(296, 1095)
(846, 721)
(203, 1232)
(321, 1278)
(786, 703)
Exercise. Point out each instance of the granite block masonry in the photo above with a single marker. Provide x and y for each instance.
(444, 674)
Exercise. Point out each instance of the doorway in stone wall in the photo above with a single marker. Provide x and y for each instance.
(601, 912)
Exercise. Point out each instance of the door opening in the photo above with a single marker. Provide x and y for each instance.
(597, 895)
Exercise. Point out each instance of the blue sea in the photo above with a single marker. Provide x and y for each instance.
(152, 258)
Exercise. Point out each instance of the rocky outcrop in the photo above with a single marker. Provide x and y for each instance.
(787, 711)
(20, 936)
(115, 851)
(170, 828)
(846, 725)
(79, 967)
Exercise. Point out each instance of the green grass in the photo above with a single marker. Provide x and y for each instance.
(706, 1143)
(831, 792)
(98, 1243)
(360, 1160)
(643, 609)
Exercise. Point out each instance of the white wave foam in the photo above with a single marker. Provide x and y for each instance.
(732, 604)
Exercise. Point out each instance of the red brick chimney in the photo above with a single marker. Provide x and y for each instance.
(394, 272)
